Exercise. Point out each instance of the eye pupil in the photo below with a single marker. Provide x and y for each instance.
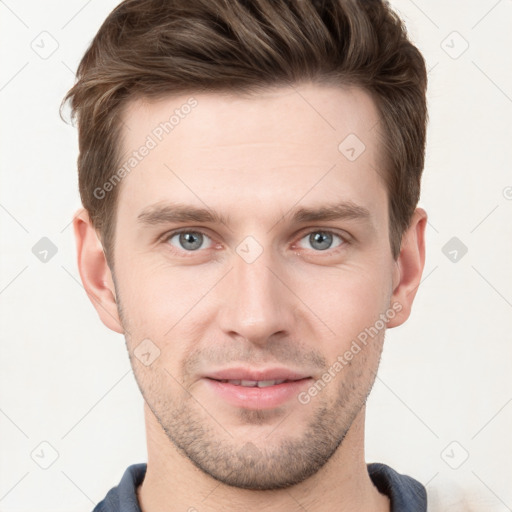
(321, 237)
(191, 238)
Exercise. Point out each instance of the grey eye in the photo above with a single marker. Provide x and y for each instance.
(320, 240)
(189, 240)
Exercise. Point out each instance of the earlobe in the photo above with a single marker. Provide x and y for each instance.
(409, 268)
(95, 272)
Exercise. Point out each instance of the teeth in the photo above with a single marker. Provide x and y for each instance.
(265, 383)
(249, 383)
(255, 383)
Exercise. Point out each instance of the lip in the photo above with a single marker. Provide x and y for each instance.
(256, 398)
(257, 374)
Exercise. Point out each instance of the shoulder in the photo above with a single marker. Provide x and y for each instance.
(405, 493)
(123, 497)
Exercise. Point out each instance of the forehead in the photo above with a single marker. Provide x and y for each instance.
(281, 142)
(330, 111)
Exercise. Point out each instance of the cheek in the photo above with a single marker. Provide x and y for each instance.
(156, 297)
(348, 300)
(169, 304)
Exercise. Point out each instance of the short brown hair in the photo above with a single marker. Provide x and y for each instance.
(153, 48)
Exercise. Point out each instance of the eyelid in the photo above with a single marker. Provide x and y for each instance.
(169, 234)
(332, 231)
(345, 237)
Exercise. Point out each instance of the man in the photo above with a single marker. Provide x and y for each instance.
(249, 172)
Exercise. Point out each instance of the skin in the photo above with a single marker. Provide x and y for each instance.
(255, 160)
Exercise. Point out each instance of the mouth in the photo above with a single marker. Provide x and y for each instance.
(257, 390)
(257, 383)
(249, 376)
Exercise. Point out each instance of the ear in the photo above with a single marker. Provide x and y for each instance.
(95, 272)
(409, 267)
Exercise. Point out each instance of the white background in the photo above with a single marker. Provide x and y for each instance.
(444, 387)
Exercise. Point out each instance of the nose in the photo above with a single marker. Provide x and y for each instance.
(256, 303)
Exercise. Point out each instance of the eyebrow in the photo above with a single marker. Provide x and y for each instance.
(162, 213)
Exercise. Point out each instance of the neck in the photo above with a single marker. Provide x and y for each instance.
(173, 483)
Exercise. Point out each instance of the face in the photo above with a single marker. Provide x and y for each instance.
(252, 248)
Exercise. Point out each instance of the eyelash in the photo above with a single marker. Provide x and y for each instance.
(167, 236)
